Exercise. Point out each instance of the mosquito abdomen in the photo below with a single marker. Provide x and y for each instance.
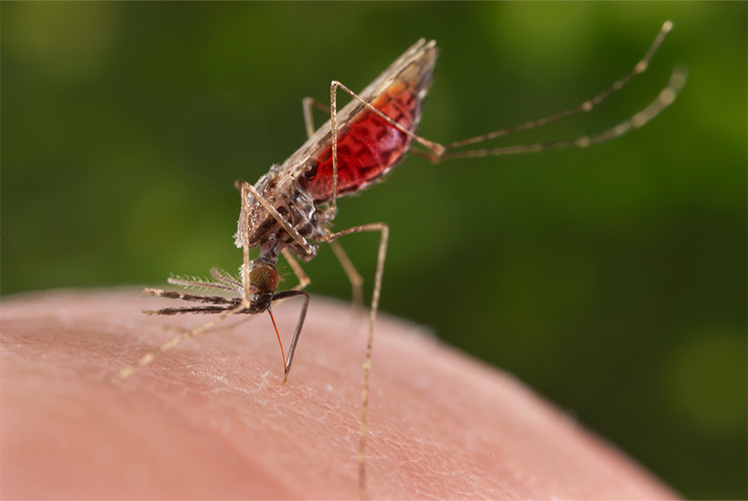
(369, 146)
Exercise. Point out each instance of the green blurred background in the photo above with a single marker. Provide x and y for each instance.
(612, 280)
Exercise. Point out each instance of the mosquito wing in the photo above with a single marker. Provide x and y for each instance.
(368, 146)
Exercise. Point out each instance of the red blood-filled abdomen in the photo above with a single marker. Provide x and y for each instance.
(368, 147)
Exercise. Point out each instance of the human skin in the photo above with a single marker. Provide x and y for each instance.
(210, 419)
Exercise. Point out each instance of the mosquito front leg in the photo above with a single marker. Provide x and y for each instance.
(385, 233)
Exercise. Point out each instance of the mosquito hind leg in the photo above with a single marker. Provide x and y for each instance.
(666, 97)
(663, 100)
(586, 106)
(436, 152)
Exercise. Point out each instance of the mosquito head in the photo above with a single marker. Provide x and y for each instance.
(263, 281)
(264, 277)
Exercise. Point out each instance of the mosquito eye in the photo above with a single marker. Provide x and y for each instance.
(264, 277)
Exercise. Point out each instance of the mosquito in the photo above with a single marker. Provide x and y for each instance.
(289, 210)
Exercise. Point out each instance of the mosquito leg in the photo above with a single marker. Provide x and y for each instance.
(334, 132)
(304, 279)
(307, 103)
(357, 281)
(664, 99)
(586, 106)
(385, 232)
